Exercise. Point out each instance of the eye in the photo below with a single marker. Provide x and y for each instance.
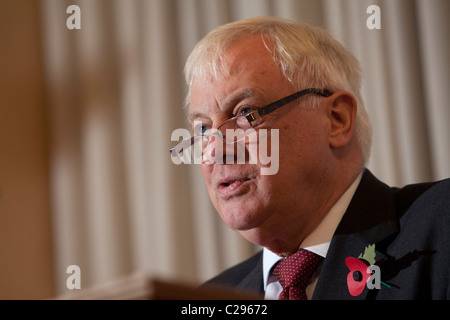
(245, 122)
(246, 110)
(201, 129)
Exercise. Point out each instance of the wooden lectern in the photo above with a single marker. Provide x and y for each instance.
(145, 287)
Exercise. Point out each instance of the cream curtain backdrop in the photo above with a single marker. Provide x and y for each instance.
(115, 93)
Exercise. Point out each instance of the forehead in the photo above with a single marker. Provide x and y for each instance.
(249, 71)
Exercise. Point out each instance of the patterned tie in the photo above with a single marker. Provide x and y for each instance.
(294, 272)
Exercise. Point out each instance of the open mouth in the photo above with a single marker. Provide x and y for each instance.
(226, 184)
(232, 182)
(230, 185)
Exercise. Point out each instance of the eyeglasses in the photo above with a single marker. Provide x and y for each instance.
(192, 147)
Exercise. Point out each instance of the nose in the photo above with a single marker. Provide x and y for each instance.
(217, 151)
(213, 151)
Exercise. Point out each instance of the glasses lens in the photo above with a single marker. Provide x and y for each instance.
(190, 150)
(236, 129)
(233, 124)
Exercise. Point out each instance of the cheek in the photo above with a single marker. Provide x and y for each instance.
(207, 176)
(302, 146)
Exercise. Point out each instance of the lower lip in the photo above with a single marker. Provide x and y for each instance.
(233, 189)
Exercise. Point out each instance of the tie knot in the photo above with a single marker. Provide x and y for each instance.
(296, 270)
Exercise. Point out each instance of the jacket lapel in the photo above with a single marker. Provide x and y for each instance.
(369, 219)
(253, 280)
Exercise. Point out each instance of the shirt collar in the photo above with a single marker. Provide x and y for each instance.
(319, 240)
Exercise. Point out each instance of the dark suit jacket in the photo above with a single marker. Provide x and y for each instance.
(410, 228)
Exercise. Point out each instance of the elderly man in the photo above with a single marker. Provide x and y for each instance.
(329, 228)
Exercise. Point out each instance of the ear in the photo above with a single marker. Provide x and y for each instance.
(341, 113)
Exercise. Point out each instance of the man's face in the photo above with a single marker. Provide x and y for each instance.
(275, 211)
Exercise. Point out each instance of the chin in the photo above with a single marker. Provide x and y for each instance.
(241, 217)
(262, 237)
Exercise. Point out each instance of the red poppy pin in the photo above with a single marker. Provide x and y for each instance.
(363, 272)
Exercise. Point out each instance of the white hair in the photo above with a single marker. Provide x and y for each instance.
(308, 57)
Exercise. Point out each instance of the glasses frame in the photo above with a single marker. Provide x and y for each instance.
(254, 115)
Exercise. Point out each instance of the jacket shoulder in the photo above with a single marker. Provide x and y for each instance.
(433, 197)
(420, 250)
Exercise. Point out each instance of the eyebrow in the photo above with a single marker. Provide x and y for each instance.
(196, 115)
(231, 101)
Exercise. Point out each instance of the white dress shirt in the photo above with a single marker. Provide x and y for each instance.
(317, 241)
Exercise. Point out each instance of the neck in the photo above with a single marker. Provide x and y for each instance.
(319, 220)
